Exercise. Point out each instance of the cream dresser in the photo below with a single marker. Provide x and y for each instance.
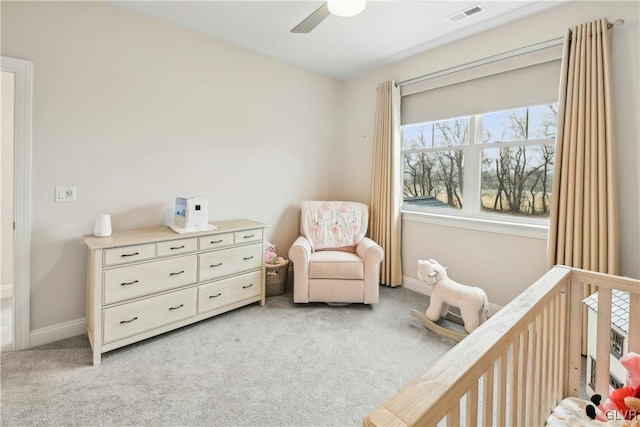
(145, 282)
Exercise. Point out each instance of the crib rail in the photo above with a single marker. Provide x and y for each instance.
(518, 365)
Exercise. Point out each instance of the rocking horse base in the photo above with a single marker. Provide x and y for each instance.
(438, 329)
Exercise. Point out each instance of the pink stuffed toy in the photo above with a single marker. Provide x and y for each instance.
(631, 362)
(618, 398)
(270, 256)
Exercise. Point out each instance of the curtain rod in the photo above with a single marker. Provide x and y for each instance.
(494, 58)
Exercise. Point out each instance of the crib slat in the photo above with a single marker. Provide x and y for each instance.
(487, 384)
(502, 390)
(532, 379)
(541, 376)
(515, 359)
(574, 357)
(634, 323)
(548, 375)
(522, 379)
(548, 392)
(563, 324)
(472, 405)
(603, 341)
(453, 417)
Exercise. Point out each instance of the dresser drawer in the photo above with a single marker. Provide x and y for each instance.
(215, 241)
(229, 261)
(133, 281)
(228, 291)
(129, 319)
(254, 235)
(128, 254)
(176, 247)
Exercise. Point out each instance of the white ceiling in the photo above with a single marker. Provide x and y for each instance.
(385, 32)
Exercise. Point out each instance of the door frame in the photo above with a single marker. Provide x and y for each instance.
(23, 73)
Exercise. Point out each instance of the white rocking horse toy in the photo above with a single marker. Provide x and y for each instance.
(472, 301)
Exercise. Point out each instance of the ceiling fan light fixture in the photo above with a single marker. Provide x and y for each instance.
(346, 7)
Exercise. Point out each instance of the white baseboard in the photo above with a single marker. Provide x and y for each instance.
(416, 286)
(49, 334)
(6, 291)
(424, 289)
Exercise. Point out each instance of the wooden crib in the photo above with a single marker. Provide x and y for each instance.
(516, 367)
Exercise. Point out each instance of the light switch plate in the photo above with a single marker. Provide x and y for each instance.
(65, 194)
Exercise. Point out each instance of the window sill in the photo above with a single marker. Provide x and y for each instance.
(533, 231)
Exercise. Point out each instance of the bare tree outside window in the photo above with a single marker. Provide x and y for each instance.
(433, 162)
(516, 171)
(515, 161)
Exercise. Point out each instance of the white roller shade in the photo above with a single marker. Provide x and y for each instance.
(527, 79)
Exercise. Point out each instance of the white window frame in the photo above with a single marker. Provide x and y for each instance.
(471, 216)
(616, 338)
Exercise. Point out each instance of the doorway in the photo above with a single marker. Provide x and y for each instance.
(22, 72)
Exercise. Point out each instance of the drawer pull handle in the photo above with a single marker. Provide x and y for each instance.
(214, 296)
(249, 236)
(213, 242)
(133, 254)
(175, 308)
(247, 258)
(177, 247)
(215, 265)
(247, 286)
(122, 322)
(175, 274)
(128, 283)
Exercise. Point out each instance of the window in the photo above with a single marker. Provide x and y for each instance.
(592, 373)
(617, 344)
(615, 383)
(493, 163)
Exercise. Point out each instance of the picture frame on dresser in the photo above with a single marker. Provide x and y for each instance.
(145, 282)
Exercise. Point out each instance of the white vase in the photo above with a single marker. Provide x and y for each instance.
(103, 226)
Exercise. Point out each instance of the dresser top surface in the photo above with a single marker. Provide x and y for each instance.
(159, 234)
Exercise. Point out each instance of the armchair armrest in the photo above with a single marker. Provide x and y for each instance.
(370, 251)
(300, 254)
(372, 255)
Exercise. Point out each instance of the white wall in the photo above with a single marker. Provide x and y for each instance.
(478, 257)
(134, 112)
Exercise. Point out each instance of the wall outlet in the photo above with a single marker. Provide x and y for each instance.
(65, 194)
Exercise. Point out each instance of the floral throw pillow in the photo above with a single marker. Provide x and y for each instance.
(334, 224)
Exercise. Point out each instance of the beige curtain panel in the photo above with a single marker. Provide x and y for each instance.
(386, 184)
(583, 231)
(584, 217)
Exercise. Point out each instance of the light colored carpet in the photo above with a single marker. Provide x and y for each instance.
(279, 365)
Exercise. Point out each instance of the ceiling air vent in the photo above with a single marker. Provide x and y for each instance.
(465, 13)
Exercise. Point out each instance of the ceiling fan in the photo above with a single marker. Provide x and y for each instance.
(330, 7)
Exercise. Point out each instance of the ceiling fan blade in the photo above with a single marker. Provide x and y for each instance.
(311, 21)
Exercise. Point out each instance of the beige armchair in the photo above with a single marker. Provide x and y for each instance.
(333, 261)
